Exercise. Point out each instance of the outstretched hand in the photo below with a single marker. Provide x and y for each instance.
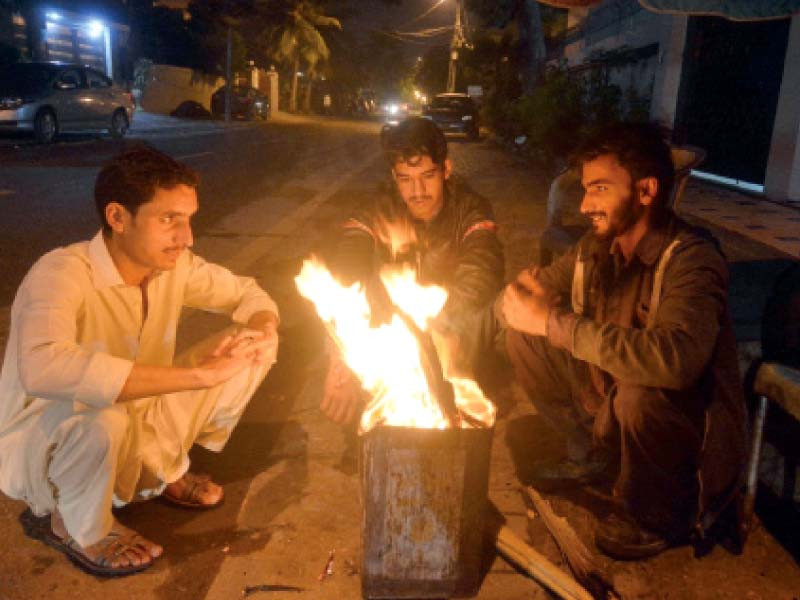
(342, 397)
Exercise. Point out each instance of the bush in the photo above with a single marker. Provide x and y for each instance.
(556, 116)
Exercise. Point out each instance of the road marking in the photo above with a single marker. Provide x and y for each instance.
(195, 155)
(252, 251)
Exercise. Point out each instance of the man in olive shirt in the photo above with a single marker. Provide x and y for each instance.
(625, 345)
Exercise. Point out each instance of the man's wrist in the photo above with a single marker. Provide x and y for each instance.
(264, 321)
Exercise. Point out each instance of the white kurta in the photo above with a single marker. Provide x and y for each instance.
(76, 331)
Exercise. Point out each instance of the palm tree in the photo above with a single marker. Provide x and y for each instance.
(298, 40)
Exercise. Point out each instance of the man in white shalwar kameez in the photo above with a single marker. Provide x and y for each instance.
(94, 411)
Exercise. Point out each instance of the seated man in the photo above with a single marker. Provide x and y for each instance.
(93, 411)
(447, 233)
(625, 345)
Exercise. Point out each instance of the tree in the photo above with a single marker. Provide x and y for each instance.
(298, 41)
(208, 28)
(534, 24)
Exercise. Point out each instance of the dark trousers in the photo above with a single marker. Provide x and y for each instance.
(656, 433)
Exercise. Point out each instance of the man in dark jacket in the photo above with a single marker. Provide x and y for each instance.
(625, 345)
(446, 232)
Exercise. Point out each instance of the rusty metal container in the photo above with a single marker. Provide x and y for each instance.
(424, 496)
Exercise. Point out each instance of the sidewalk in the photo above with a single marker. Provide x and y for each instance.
(773, 224)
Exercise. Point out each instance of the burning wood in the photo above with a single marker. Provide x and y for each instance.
(396, 362)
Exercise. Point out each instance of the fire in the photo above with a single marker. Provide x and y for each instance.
(386, 358)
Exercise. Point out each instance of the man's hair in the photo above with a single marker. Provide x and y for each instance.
(640, 148)
(131, 179)
(413, 138)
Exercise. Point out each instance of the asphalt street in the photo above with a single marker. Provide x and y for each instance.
(271, 195)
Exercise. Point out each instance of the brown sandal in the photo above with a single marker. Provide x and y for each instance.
(114, 544)
(189, 498)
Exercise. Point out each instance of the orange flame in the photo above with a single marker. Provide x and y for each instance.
(386, 358)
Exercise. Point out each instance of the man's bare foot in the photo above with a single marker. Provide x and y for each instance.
(123, 547)
(194, 491)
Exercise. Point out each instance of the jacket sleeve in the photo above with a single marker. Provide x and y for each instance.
(479, 270)
(676, 351)
(353, 257)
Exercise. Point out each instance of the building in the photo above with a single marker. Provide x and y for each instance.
(730, 87)
(46, 33)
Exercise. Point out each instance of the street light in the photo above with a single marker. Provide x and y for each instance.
(95, 29)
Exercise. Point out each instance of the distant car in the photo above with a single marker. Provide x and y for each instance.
(50, 97)
(395, 111)
(454, 113)
(246, 103)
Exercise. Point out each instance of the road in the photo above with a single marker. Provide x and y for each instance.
(271, 195)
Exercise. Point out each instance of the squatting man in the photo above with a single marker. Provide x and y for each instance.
(425, 218)
(94, 411)
(625, 345)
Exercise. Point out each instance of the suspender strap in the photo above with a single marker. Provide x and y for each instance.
(658, 279)
(578, 291)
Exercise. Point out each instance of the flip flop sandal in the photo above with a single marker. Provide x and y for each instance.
(189, 497)
(39, 528)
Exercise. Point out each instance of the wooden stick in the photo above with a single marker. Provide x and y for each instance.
(537, 566)
(582, 561)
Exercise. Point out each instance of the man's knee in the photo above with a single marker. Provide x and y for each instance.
(106, 428)
(523, 348)
(637, 407)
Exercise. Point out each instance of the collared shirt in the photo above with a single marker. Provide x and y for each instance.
(77, 328)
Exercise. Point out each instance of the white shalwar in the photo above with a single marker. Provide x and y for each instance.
(76, 331)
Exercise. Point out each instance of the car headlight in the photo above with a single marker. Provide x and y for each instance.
(466, 118)
(10, 102)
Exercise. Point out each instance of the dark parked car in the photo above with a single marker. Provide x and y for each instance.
(48, 97)
(454, 113)
(246, 103)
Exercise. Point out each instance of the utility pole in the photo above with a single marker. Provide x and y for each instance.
(459, 40)
(228, 72)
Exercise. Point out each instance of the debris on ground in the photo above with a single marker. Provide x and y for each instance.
(264, 587)
(328, 570)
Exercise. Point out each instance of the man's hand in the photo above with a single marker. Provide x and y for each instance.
(342, 396)
(234, 353)
(527, 303)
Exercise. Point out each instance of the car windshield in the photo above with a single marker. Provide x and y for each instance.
(25, 78)
(457, 102)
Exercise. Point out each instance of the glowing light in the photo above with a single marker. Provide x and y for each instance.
(95, 29)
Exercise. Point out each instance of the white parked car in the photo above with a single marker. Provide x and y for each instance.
(46, 98)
